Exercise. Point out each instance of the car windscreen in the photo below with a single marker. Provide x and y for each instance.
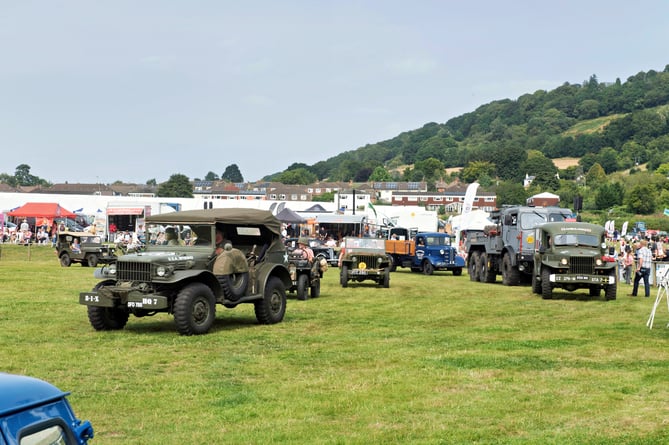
(576, 240)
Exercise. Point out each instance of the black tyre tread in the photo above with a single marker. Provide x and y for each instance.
(510, 274)
(343, 276)
(473, 266)
(610, 290)
(194, 297)
(91, 260)
(234, 285)
(107, 318)
(315, 288)
(428, 268)
(302, 285)
(546, 286)
(65, 260)
(272, 308)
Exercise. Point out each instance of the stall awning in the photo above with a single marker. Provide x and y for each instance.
(125, 210)
(339, 219)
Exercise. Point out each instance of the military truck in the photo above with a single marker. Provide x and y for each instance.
(193, 260)
(33, 411)
(92, 251)
(570, 256)
(364, 259)
(506, 246)
(425, 252)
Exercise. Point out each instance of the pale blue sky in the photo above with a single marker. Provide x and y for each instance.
(132, 90)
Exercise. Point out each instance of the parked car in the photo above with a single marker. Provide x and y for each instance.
(91, 250)
(34, 412)
(365, 259)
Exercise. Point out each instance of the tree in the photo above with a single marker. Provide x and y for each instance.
(476, 170)
(297, 176)
(178, 186)
(642, 199)
(609, 195)
(232, 174)
(543, 170)
(596, 176)
(211, 176)
(152, 182)
(511, 193)
(380, 174)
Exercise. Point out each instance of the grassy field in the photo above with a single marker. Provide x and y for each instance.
(432, 360)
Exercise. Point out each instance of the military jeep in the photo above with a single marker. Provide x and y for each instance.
(185, 271)
(570, 256)
(91, 252)
(364, 259)
(33, 411)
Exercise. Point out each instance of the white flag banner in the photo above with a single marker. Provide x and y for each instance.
(467, 206)
(623, 231)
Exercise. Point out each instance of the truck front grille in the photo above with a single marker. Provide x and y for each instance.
(369, 260)
(129, 271)
(581, 265)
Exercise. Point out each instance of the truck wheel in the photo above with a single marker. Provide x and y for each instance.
(457, 271)
(428, 269)
(316, 288)
(610, 290)
(302, 282)
(594, 291)
(272, 307)
(343, 276)
(91, 259)
(65, 260)
(194, 309)
(107, 318)
(546, 286)
(482, 266)
(473, 266)
(386, 278)
(510, 273)
(234, 285)
(486, 273)
(536, 284)
(393, 266)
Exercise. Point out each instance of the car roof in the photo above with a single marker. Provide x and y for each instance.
(21, 392)
(556, 228)
(225, 216)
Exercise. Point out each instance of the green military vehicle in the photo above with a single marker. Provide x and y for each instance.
(192, 261)
(364, 259)
(91, 251)
(570, 256)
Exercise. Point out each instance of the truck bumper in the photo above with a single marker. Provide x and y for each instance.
(129, 299)
(582, 279)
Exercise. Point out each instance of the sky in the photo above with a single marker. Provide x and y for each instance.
(134, 90)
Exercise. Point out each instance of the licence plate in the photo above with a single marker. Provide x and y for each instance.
(358, 272)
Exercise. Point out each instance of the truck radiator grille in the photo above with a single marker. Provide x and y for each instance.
(128, 271)
(581, 265)
(369, 260)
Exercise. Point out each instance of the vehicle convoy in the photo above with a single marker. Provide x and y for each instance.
(91, 250)
(364, 259)
(425, 252)
(193, 260)
(33, 411)
(570, 256)
(506, 246)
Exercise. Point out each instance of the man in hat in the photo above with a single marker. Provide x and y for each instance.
(304, 249)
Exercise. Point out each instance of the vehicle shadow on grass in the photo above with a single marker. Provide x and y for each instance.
(166, 325)
(577, 296)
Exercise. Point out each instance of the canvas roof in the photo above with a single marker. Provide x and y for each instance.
(41, 210)
(241, 216)
(288, 216)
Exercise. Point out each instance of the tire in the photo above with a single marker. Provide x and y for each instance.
(272, 307)
(65, 260)
(316, 288)
(234, 285)
(536, 284)
(510, 273)
(610, 290)
(457, 271)
(107, 318)
(472, 267)
(594, 291)
(546, 286)
(91, 260)
(428, 269)
(343, 276)
(489, 275)
(302, 284)
(482, 266)
(385, 282)
(194, 309)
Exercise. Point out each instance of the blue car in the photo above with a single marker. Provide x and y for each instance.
(34, 412)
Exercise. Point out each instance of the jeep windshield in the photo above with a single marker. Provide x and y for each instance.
(576, 240)
(353, 244)
(531, 220)
(176, 235)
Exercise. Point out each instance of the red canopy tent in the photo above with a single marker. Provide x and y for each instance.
(41, 210)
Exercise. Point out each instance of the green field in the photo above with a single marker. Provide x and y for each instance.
(432, 360)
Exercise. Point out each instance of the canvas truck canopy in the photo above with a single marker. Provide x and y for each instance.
(237, 216)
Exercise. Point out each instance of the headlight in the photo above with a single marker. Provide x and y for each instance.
(379, 260)
(354, 259)
(564, 261)
(599, 262)
(441, 252)
(111, 270)
(161, 271)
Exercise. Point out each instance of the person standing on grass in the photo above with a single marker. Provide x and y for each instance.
(645, 258)
(628, 264)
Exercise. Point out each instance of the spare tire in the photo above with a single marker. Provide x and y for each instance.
(234, 285)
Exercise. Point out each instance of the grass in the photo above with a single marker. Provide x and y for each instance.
(432, 360)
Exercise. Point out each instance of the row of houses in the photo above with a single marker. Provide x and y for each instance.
(346, 195)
